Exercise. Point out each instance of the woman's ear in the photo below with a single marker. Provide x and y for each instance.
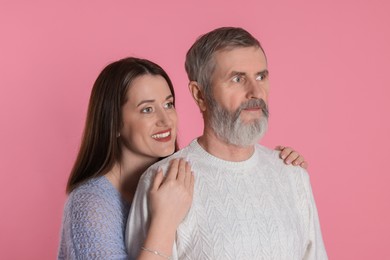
(197, 95)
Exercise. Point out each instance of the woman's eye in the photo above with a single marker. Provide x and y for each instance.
(169, 105)
(147, 110)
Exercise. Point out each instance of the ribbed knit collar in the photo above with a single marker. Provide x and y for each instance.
(250, 162)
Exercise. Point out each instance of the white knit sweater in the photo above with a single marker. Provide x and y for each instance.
(255, 209)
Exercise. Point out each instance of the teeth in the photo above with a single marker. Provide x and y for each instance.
(163, 135)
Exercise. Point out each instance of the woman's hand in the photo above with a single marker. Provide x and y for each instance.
(171, 196)
(289, 156)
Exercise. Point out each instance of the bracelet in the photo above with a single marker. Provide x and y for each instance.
(156, 253)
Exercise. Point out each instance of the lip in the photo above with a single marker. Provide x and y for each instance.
(254, 109)
(163, 136)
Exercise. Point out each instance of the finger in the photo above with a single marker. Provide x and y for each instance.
(285, 152)
(298, 160)
(181, 174)
(279, 147)
(173, 168)
(291, 157)
(158, 179)
(304, 165)
(187, 181)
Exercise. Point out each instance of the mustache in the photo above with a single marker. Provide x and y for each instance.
(254, 103)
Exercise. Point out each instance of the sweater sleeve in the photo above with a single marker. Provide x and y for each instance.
(92, 228)
(315, 249)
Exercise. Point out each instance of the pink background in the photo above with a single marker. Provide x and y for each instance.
(330, 87)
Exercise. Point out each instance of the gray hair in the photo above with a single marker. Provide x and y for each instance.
(200, 63)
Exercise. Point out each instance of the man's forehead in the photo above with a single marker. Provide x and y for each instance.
(241, 59)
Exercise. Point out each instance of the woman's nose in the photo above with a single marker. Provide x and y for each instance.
(163, 118)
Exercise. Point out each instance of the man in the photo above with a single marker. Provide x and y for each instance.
(247, 204)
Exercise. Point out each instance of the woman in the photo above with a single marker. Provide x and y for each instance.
(131, 124)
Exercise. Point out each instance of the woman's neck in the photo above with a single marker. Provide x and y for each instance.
(125, 174)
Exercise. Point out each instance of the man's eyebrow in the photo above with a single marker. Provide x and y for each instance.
(236, 73)
(152, 100)
(263, 72)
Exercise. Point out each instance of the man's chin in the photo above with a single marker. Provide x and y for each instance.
(241, 142)
(250, 119)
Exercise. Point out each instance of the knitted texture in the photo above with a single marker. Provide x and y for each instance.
(256, 209)
(94, 222)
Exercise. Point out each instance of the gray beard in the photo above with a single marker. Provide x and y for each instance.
(229, 127)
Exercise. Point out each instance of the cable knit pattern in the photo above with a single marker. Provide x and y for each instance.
(94, 222)
(256, 209)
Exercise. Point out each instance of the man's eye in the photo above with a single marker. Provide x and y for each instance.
(147, 110)
(237, 79)
(169, 105)
(261, 77)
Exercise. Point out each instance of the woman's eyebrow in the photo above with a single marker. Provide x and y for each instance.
(146, 101)
(152, 100)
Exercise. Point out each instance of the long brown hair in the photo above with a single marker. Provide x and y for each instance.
(100, 147)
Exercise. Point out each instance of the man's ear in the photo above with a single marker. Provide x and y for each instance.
(197, 94)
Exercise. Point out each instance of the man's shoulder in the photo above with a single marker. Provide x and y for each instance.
(268, 154)
(148, 175)
(273, 158)
(263, 150)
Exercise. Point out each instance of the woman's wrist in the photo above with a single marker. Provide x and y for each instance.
(160, 237)
(156, 253)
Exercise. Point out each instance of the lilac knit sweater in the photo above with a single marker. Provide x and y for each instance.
(94, 222)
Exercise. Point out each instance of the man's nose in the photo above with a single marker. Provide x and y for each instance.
(255, 90)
